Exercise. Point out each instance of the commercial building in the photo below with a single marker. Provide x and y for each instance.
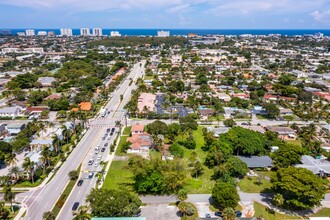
(115, 34)
(42, 33)
(85, 32)
(163, 33)
(30, 32)
(66, 32)
(97, 32)
(51, 33)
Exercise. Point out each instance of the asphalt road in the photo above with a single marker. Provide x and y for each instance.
(116, 108)
(43, 199)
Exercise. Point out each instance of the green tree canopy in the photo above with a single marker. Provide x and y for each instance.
(110, 202)
(157, 127)
(299, 187)
(287, 155)
(225, 195)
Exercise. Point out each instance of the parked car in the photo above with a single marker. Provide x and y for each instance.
(90, 175)
(238, 214)
(208, 215)
(90, 162)
(80, 182)
(103, 149)
(218, 214)
(75, 206)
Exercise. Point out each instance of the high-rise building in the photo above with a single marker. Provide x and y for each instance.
(51, 33)
(97, 32)
(85, 32)
(42, 33)
(115, 34)
(66, 32)
(20, 34)
(163, 33)
(30, 32)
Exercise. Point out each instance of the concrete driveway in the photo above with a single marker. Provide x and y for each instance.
(203, 209)
(160, 212)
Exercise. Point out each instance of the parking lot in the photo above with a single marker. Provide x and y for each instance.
(160, 212)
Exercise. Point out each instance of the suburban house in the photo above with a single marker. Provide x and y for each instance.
(140, 143)
(84, 106)
(15, 128)
(218, 130)
(39, 144)
(137, 129)
(317, 166)
(284, 133)
(205, 113)
(223, 96)
(35, 110)
(231, 111)
(53, 96)
(257, 161)
(285, 111)
(12, 112)
(46, 81)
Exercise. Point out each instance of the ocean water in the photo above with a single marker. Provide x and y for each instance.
(153, 32)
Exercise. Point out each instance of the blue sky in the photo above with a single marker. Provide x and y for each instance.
(212, 14)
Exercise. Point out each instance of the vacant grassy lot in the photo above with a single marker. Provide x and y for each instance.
(254, 184)
(202, 184)
(295, 142)
(126, 133)
(118, 176)
(325, 212)
(262, 211)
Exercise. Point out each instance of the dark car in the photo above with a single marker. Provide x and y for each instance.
(218, 214)
(108, 130)
(111, 133)
(75, 206)
(208, 215)
(113, 130)
(103, 138)
(103, 149)
(238, 214)
(106, 144)
(80, 182)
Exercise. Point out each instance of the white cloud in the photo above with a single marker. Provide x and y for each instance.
(323, 16)
(247, 7)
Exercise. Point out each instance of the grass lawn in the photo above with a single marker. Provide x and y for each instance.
(127, 131)
(251, 184)
(324, 212)
(203, 184)
(118, 176)
(261, 117)
(60, 202)
(262, 211)
(120, 146)
(193, 217)
(295, 142)
(148, 77)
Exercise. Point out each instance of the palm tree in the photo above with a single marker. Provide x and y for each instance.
(11, 159)
(3, 211)
(56, 142)
(66, 133)
(28, 166)
(183, 207)
(16, 171)
(45, 155)
(9, 196)
(229, 214)
(82, 213)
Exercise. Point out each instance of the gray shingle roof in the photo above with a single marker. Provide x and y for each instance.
(256, 161)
